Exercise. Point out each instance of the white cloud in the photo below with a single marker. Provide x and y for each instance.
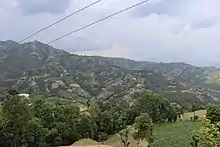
(162, 30)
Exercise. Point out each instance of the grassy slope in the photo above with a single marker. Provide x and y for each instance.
(201, 114)
(213, 76)
(174, 134)
(115, 140)
(85, 142)
(167, 135)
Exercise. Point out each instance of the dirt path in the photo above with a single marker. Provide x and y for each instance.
(87, 143)
(201, 114)
(89, 146)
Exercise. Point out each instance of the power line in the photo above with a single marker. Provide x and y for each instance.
(95, 22)
(53, 24)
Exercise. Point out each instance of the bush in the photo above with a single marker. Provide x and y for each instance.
(196, 118)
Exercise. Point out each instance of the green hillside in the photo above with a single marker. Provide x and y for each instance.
(41, 69)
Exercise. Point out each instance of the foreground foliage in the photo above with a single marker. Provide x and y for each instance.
(213, 113)
(209, 134)
(143, 129)
(36, 122)
(159, 109)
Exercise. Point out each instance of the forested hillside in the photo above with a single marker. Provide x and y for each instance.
(41, 69)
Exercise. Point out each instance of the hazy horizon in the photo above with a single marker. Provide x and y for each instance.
(94, 53)
(160, 30)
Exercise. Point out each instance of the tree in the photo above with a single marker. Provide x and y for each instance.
(6, 138)
(196, 118)
(143, 128)
(106, 119)
(172, 115)
(88, 103)
(35, 134)
(150, 103)
(209, 134)
(157, 107)
(17, 113)
(171, 112)
(36, 122)
(194, 111)
(130, 114)
(103, 136)
(213, 113)
(124, 137)
(13, 92)
(66, 119)
(179, 109)
(85, 126)
(94, 109)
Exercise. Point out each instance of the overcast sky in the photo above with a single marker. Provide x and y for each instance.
(161, 30)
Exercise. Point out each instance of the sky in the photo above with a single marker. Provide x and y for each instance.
(160, 30)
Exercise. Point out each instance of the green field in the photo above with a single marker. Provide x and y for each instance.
(167, 135)
(175, 134)
(212, 76)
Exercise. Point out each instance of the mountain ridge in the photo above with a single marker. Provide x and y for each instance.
(35, 67)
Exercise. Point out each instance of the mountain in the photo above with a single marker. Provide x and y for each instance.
(206, 77)
(35, 67)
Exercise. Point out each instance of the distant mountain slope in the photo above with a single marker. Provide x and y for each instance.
(207, 77)
(39, 68)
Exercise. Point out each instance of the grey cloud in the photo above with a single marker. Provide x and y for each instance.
(196, 13)
(204, 24)
(43, 6)
(170, 34)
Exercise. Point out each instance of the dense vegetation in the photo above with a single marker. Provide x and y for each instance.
(209, 134)
(36, 122)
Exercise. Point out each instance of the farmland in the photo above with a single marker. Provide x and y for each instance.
(166, 135)
(175, 134)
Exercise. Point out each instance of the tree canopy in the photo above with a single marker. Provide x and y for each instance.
(143, 128)
(158, 108)
(35, 122)
(208, 135)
